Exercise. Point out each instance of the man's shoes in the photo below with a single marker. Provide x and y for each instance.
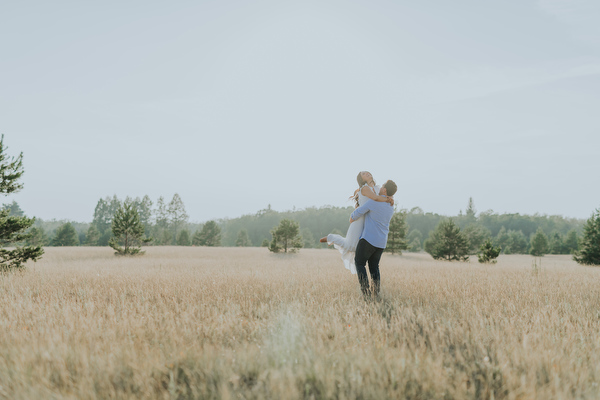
(323, 239)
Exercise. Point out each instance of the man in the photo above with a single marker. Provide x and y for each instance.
(374, 237)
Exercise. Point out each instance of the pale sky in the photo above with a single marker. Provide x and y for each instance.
(239, 104)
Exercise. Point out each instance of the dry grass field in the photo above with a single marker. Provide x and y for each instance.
(241, 323)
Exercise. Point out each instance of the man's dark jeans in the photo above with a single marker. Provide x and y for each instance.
(365, 252)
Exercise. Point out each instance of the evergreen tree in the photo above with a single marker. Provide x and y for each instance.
(127, 230)
(15, 210)
(265, 243)
(487, 252)
(447, 242)
(66, 235)
(470, 214)
(286, 237)
(589, 246)
(210, 235)
(539, 244)
(397, 234)
(92, 236)
(183, 238)
(571, 242)
(13, 228)
(242, 239)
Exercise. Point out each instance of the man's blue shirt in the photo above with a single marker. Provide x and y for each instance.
(377, 221)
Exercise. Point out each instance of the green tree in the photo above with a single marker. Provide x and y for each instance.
(15, 210)
(589, 245)
(210, 235)
(476, 235)
(127, 230)
(183, 238)
(517, 242)
(470, 214)
(13, 228)
(176, 214)
(144, 208)
(556, 243)
(415, 240)
(397, 234)
(571, 242)
(242, 239)
(37, 237)
(487, 252)
(286, 237)
(92, 236)
(447, 242)
(308, 240)
(539, 244)
(66, 235)
(265, 243)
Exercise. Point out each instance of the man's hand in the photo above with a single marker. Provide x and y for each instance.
(351, 220)
(391, 200)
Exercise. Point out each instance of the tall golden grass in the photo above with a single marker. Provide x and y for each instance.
(241, 323)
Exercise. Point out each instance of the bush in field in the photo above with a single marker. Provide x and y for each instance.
(128, 231)
(487, 252)
(447, 242)
(210, 235)
(539, 244)
(286, 237)
(589, 247)
(66, 235)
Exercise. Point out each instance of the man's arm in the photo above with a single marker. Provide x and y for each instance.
(360, 211)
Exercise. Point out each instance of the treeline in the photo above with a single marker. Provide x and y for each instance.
(167, 223)
(512, 232)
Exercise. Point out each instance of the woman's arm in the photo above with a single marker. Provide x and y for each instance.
(371, 195)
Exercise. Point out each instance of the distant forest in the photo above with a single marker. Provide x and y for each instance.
(167, 223)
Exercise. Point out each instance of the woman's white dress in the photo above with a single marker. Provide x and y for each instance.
(347, 245)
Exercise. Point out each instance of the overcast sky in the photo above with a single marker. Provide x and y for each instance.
(239, 104)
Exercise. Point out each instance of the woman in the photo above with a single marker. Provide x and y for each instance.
(346, 246)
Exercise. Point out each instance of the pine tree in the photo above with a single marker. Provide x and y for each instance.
(447, 242)
(65, 235)
(487, 252)
(589, 246)
(92, 236)
(397, 234)
(539, 244)
(286, 237)
(15, 210)
(210, 235)
(183, 238)
(13, 228)
(242, 239)
(127, 230)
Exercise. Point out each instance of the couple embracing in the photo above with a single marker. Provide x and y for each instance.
(367, 235)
